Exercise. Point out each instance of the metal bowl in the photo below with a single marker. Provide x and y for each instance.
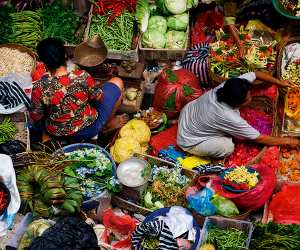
(91, 52)
(129, 165)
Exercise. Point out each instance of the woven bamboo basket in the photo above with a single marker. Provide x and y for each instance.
(21, 48)
(123, 201)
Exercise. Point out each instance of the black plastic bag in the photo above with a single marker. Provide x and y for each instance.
(68, 233)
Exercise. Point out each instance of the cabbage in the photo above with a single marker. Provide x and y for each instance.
(176, 6)
(192, 4)
(154, 39)
(178, 22)
(162, 7)
(142, 14)
(158, 23)
(154, 11)
(175, 39)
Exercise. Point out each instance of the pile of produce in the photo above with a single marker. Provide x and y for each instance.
(292, 104)
(243, 153)
(167, 188)
(27, 28)
(8, 130)
(224, 239)
(223, 57)
(260, 120)
(46, 193)
(14, 61)
(133, 138)
(117, 35)
(293, 6)
(5, 20)
(292, 72)
(60, 22)
(165, 24)
(290, 164)
(94, 171)
(275, 236)
(241, 178)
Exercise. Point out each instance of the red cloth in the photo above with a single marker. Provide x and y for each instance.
(285, 205)
(163, 139)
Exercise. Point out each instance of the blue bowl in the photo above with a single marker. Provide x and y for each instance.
(232, 189)
(163, 212)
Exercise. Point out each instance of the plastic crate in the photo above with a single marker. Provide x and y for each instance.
(224, 223)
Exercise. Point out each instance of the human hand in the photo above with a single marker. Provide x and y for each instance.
(287, 84)
(293, 142)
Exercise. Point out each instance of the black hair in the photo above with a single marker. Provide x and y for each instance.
(52, 53)
(234, 91)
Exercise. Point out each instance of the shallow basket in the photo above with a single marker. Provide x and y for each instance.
(21, 48)
(280, 9)
(224, 223)
(128, 198)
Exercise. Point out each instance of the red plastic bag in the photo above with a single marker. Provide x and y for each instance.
(285, 205)
(163, 139)
(121, 225)
(174, 89)
(256, 197)
(204, 28)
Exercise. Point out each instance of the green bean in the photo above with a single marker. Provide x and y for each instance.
(7, 130)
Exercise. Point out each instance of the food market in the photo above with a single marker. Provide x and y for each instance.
(149, 124)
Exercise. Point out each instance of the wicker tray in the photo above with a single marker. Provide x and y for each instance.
(123, 200)
(130, 55)
(150, 54)
(21, 48)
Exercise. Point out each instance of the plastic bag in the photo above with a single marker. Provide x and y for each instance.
(136, 129)
(122, 226)
(224, 207)
(9, 178)
(285, 205)
(174, 89)
(254, 198)
(200, 202)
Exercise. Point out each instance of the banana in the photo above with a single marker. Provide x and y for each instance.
(75, 196)
(56, 202)
(68, 206)
(54, 193)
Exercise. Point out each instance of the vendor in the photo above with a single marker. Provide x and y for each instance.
(207, 124)
(69, 104)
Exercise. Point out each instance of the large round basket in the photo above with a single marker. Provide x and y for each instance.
(4, 189)
(280, 9)
(163, 212)
(21, 48)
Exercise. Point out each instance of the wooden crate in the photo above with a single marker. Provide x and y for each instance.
(150, 54)
(130, 55)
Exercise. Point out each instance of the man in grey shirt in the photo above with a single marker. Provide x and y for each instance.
(207, 124)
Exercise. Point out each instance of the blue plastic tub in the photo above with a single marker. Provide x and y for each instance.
(163, 212)
(93, 202)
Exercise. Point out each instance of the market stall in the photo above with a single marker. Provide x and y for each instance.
(136, 186)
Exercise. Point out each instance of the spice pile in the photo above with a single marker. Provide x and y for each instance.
(290, 164)
(293, 6)
(292, 72)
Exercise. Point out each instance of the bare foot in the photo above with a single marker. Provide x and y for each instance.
(116, 122)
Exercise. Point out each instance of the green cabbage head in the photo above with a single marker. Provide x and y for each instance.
(178, 22)
(153, 39)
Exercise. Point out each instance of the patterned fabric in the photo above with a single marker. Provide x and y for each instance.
(64, 102)
(196, 61)
(155, 228)
(12, 95)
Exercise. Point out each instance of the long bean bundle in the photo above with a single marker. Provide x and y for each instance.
(118, 35)
(7, 130)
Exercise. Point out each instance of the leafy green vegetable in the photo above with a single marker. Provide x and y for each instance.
(178, 22)
(158, 23)
(60, 22)
(5, 20)
(176, 6)
(154, 10)
(192, 4)
(153, 39)
(175, 39)
(162, 7)
(142, 14)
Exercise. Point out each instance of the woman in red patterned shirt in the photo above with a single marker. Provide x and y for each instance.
(69, 104)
